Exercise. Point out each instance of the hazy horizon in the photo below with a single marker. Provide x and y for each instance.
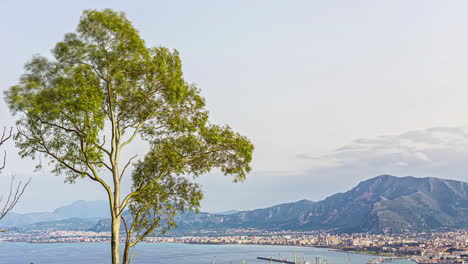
(227, 209)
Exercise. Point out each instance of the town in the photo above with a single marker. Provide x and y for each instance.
(437, 247)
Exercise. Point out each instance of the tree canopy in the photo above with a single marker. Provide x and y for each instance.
(100, 90)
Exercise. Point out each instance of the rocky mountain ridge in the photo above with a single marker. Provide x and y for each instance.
(384, 204)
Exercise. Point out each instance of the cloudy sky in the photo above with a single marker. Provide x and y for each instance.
(331, 92)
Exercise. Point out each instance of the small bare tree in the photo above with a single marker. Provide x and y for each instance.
(16, 190)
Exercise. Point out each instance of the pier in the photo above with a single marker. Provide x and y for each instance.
(285, 261)
(383, 259)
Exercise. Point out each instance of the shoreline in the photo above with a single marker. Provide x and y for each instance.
(367, 254)
(224, 244)
(303, 246)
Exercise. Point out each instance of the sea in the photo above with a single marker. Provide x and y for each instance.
(151, 253)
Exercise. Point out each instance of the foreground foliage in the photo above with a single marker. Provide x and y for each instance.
(104, 89)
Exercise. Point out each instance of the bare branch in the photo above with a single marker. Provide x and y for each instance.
(4, 161)
(5, 137)
(15, 191)
(14, 195)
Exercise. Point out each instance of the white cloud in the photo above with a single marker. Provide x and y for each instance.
(436, 152)
(421, 156)
(410, 147)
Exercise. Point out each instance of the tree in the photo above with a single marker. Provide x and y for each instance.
(16, 190)
(103, 89)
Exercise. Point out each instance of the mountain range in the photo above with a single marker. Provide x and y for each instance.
(78, 209)
(384, 204)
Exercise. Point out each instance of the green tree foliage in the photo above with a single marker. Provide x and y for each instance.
(103, 89)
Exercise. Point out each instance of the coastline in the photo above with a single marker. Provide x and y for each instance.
(232, 244)
(217, 244)
(222, 244)
(303, 246)
(176, 253)
(367, 254)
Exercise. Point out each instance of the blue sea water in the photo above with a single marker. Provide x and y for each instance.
(94, 253)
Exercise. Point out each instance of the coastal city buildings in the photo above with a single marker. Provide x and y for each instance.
(439, 247)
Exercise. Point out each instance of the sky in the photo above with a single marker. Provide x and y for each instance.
(331, 92)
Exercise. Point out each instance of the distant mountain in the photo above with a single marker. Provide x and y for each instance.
(69, 224)
(78, 209)
(84, 209)
(384, 204)
(230, 212)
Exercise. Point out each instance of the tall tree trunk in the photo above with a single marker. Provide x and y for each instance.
(116, 218)
(115, 241)
(116, 214)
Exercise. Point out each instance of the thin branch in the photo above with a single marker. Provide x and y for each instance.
(14, 195)
(105, 165)
(4, 161)
(94, 69)
(46, 150)
(101, 147)
(75, 130)
(140, 188)
(135, 133)
(126, 165)
(61, 161)
(95, 174)
(5, 137)
(129, 232)
(125, 111)
(147, 232)
(78, 133)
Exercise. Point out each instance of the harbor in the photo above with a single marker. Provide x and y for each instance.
(285, 261)
(383, 259)
(295, 260)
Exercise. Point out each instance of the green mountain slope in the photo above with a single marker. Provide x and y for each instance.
(381, 204)
(384, 204)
